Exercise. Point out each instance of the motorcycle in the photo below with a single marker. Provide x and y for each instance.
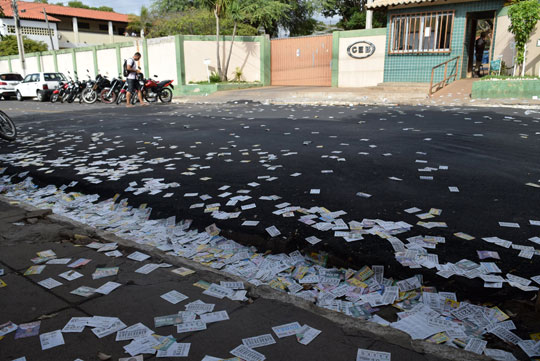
(7, 127)
(109, 94)
(154, 90)
(91, 93)
(134, 98)
(58, 93)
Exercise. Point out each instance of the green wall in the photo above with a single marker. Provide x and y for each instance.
(417, 67)
(264, 42)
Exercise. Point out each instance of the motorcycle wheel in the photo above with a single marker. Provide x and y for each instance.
(150, 96)
(54, 98)
(7, 127)
(107, 99)
(89, 96)
(165, 95)
(120, 98)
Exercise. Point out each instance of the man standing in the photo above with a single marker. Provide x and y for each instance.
(133, 82)
(480, 46)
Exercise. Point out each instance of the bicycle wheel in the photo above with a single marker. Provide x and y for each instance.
(165, 95)
(7, 127)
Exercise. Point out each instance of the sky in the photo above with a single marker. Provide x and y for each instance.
(134, 6)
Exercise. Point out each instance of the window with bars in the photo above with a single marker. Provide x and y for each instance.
(28, 30)
(421, 33)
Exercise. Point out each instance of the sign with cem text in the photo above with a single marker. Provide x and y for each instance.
(361, 49)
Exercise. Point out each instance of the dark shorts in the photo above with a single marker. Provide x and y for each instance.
(133, 85)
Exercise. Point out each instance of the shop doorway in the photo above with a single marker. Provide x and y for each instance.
(478, 23)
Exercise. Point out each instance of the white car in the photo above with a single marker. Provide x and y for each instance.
(7, 84)
(38, 85)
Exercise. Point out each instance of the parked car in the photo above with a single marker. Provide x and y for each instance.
(7, 84)
(38, 85)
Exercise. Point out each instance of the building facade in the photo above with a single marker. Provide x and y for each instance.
(69, 27)
(422, 34)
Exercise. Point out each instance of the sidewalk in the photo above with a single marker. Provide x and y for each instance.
(393, 94)
(26, 231)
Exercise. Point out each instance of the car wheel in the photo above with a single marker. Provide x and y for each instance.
(40, 96)
(19, 96)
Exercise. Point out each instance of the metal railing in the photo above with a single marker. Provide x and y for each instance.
(446, 78)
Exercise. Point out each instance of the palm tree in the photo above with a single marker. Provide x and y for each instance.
(143, 22)
(219, 8)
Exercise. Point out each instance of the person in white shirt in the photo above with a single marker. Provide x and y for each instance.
(133, 82)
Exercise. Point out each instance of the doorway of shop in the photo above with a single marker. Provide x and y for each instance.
(479, 39)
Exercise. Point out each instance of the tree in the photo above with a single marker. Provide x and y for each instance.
(143, 22)
(196, 22)
(172, 6)
(260, 12)
(8, 46)
(352, 13)
(42, 1)
(219, 8)
(81, 5)
(524, 15)
(299, 19)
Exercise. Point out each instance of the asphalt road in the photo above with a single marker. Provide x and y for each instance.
(490, 153)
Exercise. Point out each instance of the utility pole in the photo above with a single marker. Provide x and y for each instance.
(20, 43)
(48, 27)
(369, 17)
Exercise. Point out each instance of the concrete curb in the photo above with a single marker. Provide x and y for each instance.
(350, 326)
(356, 103)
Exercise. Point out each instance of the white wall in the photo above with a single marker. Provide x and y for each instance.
(246, 56)
(32, 65)
(361, 72)
(107, 65)
(4, 66)
(47, 63)
(85, 61)
(162, 59)
(65, 64)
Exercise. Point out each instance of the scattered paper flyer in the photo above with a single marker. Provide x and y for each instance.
(247, 354)
(50, 283)
(182, 271)
(259, 341)
(368, 355)
(108, 288)
(51, 339)
(288, 329)
(273, 231)
(174, 297)
(70, 275)
(138, 256)
(28, 329)
(306, 334)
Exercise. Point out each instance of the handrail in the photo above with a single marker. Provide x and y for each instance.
(445, 80)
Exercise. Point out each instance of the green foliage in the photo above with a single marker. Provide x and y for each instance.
(259, 12)
(141, 22)
(298, 19)
(8, 46)
(524, 15)
(171, 6)
(238, 73)
(215, 78)
(352, 13)
(358, 21)
(196, 22)
(81, 5)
